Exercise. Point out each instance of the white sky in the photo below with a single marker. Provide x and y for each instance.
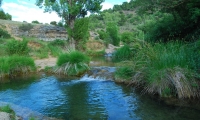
(26, 10)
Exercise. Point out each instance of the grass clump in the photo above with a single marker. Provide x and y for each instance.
(167, 70)
(122, 54)
(124, 72)
(17, 47)
(6, 109)
(15, 65)
(72, 63)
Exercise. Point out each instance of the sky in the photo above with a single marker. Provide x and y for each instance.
(26, 10)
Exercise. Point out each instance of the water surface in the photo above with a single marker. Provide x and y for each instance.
(87, 98)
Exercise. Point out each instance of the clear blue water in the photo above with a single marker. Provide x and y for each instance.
(87, 99)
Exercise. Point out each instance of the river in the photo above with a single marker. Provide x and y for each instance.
(85, 98)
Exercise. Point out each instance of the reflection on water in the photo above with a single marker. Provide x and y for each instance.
(88, 98)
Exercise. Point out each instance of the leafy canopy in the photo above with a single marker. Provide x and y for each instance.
(69, 10)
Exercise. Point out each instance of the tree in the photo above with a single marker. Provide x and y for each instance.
(8, 16)
(53, 23)
(5, 16)
(184, 23)
(69, 10)
(35, 21)
(81, 33)
(2, 15)
(112, 31)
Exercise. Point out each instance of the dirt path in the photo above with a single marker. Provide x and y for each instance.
(42, 63)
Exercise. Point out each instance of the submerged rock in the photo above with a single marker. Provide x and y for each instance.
(102, 72)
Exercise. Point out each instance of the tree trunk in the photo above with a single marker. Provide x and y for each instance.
(70, 23)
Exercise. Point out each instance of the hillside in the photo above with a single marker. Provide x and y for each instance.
(39, 31)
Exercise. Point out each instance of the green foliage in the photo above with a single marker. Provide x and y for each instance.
(122, 54)
(127, 37)
(4, 34)
(167, 70)
(26, 27)
(181, 25)
(114, 17)
(112, 30)
(72, 63)
(102, 34)
(125, 72)
(14, 65)
(80, 32)
(55, 50)
(17, 47)
(5, 16)
(80, 28)
(95, 53)
(60, 24)
(6, 109)
(122, 20)
(70, 10)
(53, 23)
(57, 42)
(35, 21)
(42, 52)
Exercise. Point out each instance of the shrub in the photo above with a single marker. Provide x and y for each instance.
(35, 21)
(55, 50)
(112, 30)
(80, 32)
(60, 24)
(15, 65)
(53, 23)
(4, 34)
(122, 54)
(102, 34)
(17, 47)
(127, 37)
(72, 63)
(58, 42)
(26, 27)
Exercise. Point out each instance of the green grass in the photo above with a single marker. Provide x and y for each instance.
(72, 63)
(44, 49)
(95, 53)
(17, 47)
(167, 70)
(15, 65)
(122, 54)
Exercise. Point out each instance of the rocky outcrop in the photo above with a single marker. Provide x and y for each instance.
(38, 31)
(42, 32)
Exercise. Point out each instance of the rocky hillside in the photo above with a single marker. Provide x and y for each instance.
(39, 31)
